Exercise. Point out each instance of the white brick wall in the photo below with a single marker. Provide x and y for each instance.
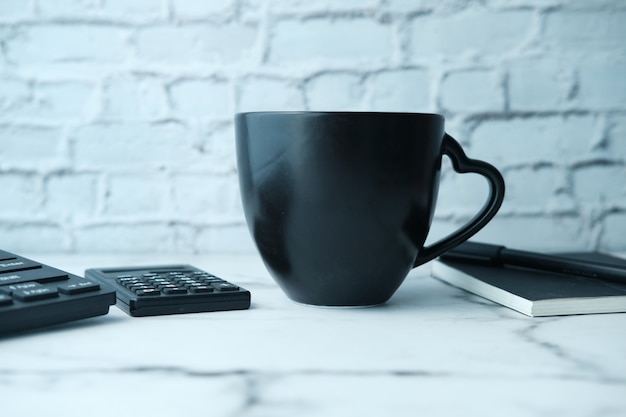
(116, 115)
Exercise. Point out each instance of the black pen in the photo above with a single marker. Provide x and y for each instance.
(500, 255)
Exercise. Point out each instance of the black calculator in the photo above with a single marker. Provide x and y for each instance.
(35, 295)
(170, 289)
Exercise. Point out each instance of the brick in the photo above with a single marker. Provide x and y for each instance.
(407, 6)
(602, 184)
(62, 100)
(527, 191)
(472, 91)
(193, 194)
(335, 91)
(201, 98)
(31, 147)
(13, 9)
(556, 140)
(133, 146)
(263, 94)
(539, 233)
(25, 192)
(532, 190)
(13, 94)
(71, 194)
(134, 237)
(532, 232)
(208, 197)
(603, 86)
(402, 90)
(584, 32)
(77, 42)
(134, 98)
(185, 237)
(460, 194)
(530, 3)
(612, 238)
(145, 9)
(476, 33)
(198, 43)
(217, 143)
(616, 136)
(307, 6)
(136, 195)
(355, 41)
(32, 237)
(67, 8)
(200, 9)
(539, 85)
(141, 10)
(52, 101)
(58, 8)
(225, 239)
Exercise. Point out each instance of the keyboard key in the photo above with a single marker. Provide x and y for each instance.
(78, 288)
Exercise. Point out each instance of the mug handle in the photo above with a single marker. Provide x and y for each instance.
(462, 164)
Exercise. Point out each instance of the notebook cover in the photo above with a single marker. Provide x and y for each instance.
(537, 286)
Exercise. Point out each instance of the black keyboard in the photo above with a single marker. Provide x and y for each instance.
(35, 295)
(170, 289)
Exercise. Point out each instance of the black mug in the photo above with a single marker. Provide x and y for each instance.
(340, 204)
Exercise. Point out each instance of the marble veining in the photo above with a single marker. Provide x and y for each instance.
(432, 349)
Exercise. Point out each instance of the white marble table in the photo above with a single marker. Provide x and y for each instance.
(433, 350)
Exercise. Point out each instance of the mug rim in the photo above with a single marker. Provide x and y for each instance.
(338, 113)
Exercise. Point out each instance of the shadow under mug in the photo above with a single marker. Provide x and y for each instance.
(339, 204)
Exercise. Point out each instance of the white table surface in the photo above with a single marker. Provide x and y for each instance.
(432, 350)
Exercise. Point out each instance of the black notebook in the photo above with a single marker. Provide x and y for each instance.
(538, 293)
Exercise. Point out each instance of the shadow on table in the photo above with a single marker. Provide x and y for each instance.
(423, 292)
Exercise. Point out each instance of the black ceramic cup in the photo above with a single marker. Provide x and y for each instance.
(340, 204)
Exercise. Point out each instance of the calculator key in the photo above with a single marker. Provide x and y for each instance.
(34, 292)
(14, 265)
(22, 286)
(4, 256)
(224, 286)
(175, 290)
(200, 289)
(212, 280)
(5, 300)
(128, 281)
(148, 292)
(40, 275)
(78, 288)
